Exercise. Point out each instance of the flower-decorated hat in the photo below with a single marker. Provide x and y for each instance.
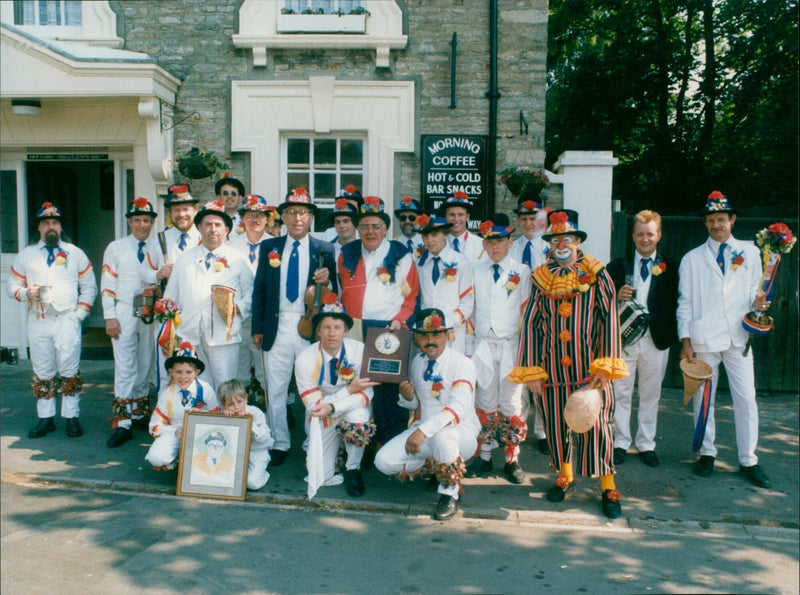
(408, 204)
(141, 206)
(332, 308)
(253, 202)
(185, 354)
(563, 222)
(179, 194)
(342, 207)
(299, 197)
(229, 180)
(495, 227)
(457, 199)
(426, 224)
(349, 192)
(215, 436)
(717, 203)
(526, 206)
(215, 207)
(373, 207)
(430, 320)
(48, 211)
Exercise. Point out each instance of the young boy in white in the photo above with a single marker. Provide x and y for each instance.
(502, 288)
(233, 400)
(185, 392)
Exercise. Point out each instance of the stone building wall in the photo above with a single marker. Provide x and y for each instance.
(192, 39)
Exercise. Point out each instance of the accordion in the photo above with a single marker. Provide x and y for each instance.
(633, 321)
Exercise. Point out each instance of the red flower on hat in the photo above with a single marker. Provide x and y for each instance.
(372, 200)
(559, 217)
(140, 202)
(226, 174)
(215, 205)
(529, 205)
(47, 205)
(486, 228)
(330, 298)
(179, 189)
(350, 189)
(436, 321)
(423, 220)
(251, 200)
(300, 193)
(509, 229)
(185, 345)
(716, 195)
(406, 200)
(341, 204)
(460, 195)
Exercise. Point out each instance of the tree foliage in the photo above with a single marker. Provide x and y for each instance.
(691, 95)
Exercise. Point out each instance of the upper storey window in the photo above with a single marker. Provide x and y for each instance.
(64, 14)
(91, 22)
(322, 16)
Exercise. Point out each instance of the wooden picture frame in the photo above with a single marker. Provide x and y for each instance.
(215, 452)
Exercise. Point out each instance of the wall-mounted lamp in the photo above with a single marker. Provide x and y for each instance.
(26, 107)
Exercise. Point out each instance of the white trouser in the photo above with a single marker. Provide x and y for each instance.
(493, 359)
(279, 365)
(331, 441)
(55, 346)
(257, 474)
(134, 354)
(220, 360)
(164, 451)
(741, 381)
(459, 342)
(650, 363)
(249, 357)
(444, 447)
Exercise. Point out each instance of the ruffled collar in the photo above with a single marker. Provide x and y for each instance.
(558, 282)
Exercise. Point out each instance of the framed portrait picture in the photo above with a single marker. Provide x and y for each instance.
(215, 449)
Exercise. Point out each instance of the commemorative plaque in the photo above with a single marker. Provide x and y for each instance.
(386, 355)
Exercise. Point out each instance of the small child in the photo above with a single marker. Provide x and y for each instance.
(185, 392)
(233, 399)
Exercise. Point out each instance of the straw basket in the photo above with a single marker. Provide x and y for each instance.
(583, 409)
(223, 299)
(695, 374)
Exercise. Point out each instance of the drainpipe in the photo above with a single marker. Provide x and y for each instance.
(493, 94)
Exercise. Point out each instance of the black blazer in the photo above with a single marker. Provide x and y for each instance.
(267, 290)
(662, 300)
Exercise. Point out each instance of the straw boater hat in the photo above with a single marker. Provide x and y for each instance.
(185, 354)
(408, 204)
(583, 409)
(696, 373)
(141, 206)
(426, 224)
(48, 211)
(373, 207)
(228, 180)
(717, 203)
(430, 320)
(496, 227)
(331, 308)
(298, 197)
(563, 222)
(215, 207)
(179, 194)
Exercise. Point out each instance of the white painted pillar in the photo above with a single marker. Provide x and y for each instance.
(586, 177)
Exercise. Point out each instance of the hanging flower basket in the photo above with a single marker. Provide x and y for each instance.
(197, 164)
(523, 181)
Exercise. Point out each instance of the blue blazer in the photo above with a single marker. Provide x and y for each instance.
(267, 290)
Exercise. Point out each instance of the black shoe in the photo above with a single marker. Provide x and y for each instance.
(353, 483)
(446, 509)
(44, 427)
(277, 457)
(514, 473)
(544, 447)
(557, 494)
(756, 476)
(74, 429)
(611, 506)
(119, 437)
(619, 455)
(479, 467)
(704, 466)
(649, 458)
(141, 423)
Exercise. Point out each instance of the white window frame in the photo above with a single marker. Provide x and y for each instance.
(98, 25)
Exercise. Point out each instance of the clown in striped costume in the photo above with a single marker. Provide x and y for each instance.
(571, 337)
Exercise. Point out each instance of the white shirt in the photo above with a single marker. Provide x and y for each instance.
(539, 249)
(240, 242)
(469, 245)
(454, 297)
(173, 237)
(642, 287)
(497, 308)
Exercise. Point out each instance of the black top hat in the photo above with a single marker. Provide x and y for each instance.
(141, 206)
(717, 203)
(298, 197)
(342, 207)
(408, 204)
(496, 227)
(215, 207)
(563, 222)
(426, 224)
(185, 353)
(179, 194)
(373, 207)
(229, 180)
(48, 211)
(430, 320)
(331, 308)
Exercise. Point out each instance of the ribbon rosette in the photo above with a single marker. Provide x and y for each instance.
(658, 268)
(436, 386)
(222, 263)
(383, 275)
(584, 281)
(240, 228)
(450, 271)
(513, 282)
(419, 251)
(486, 228)
(737, 259)
(61, 257)
(274, 259)
(346, 371)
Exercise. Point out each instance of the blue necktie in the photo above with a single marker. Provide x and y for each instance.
(182, 242)
(51, 254)
(721, 257)
(496, 275)
(435, 271)
(429, 370)
(455, 245)
(209, 256)
(253, 253)
(526, 254)
(185, 397)
(334, 374)
(410, 245)
(140, 254)
(645, 269)
(293, 276)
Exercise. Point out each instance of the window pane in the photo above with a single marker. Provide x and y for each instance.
(298, 152)
(325, 153)
(8, 211)
(356, 180)
(324, 185)
(49, 12)
(352, 152)
(297, 180)
(72, 12)
(24, 12)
